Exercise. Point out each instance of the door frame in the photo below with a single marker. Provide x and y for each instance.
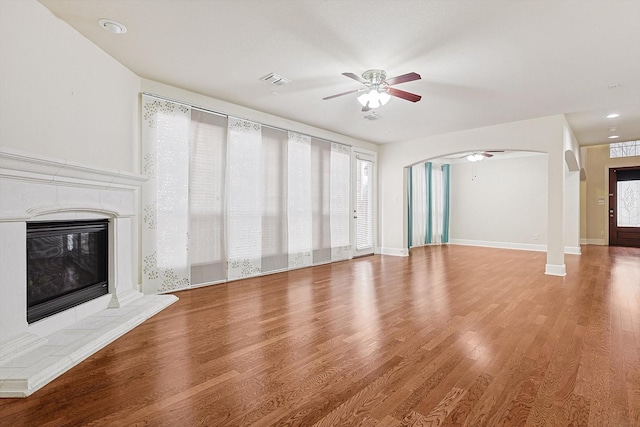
(612, 212)
(373, 158)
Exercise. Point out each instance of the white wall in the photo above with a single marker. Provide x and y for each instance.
(213, 104)
(501, 201)
(544, 134)
(62, 96)
(572, 196)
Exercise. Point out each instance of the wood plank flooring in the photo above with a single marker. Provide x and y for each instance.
(451, 336)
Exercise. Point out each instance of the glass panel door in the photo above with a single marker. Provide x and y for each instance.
(363, 212)
(624, 206)
(629, 203)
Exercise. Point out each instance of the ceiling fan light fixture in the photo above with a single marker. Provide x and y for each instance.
(375, 103)
(384, 97)
(374, 98)
(475, 157)
(378, 90)
(364, 99)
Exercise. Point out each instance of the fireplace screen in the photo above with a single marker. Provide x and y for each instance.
(67, 264)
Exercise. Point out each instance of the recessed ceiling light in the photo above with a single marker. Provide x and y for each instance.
(614, 137)
(613, 115)
(112, 26)
(614, 85)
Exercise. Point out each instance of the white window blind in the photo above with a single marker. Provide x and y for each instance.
(320, 200)
(275, 255)
(206, 197)
(364, 204)
(228, 198)
(244, 198)
(165, 228)
(339, 202)
(299, 211)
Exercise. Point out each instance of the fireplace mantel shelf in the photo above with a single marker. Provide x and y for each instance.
(20, 165)
(43, 186)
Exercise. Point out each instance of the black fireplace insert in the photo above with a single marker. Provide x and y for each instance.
(67, 265)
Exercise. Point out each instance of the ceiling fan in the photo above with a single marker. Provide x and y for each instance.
(378, 90)
(476, 156)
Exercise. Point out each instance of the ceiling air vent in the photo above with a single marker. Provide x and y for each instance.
(373, 116)
(275, 79)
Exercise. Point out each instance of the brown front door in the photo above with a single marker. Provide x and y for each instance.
(624, 206)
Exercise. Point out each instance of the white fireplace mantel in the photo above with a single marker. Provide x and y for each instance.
(66, 185)
(35, 188)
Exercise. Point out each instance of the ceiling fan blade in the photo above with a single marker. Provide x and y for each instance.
(366, 108)
(404, 95)
(340, 94)
(486, 154)
(409, 77)
(355, 77)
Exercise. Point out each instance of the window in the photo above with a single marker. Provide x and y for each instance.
(624, 149)
(228, 198)
(629, 203)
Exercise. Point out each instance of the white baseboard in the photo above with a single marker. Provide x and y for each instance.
(584, 241)
(393, 251)
(555, 270)
(499, 245)
(599, 242)
(574, 250)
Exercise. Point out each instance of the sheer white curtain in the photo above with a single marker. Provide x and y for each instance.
(339, 202)
(299, 215)
(228, 198)
(320, 200)
(207, 169)
(419, 211)
(437, 204)
(244, 198)
(274, 182)
(165, 227)
(429, 210)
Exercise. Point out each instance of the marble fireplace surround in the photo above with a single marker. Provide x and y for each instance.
(35, 188)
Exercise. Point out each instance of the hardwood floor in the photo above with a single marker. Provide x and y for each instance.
(451, 336)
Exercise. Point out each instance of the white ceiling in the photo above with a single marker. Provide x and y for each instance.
(482, 62)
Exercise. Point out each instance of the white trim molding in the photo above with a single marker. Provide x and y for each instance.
(392, 251)
(18, 164)
(499, 245)
(555, 270)
(573, 250)
(598, 242)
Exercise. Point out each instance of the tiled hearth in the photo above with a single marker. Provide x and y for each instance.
(34, 188)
